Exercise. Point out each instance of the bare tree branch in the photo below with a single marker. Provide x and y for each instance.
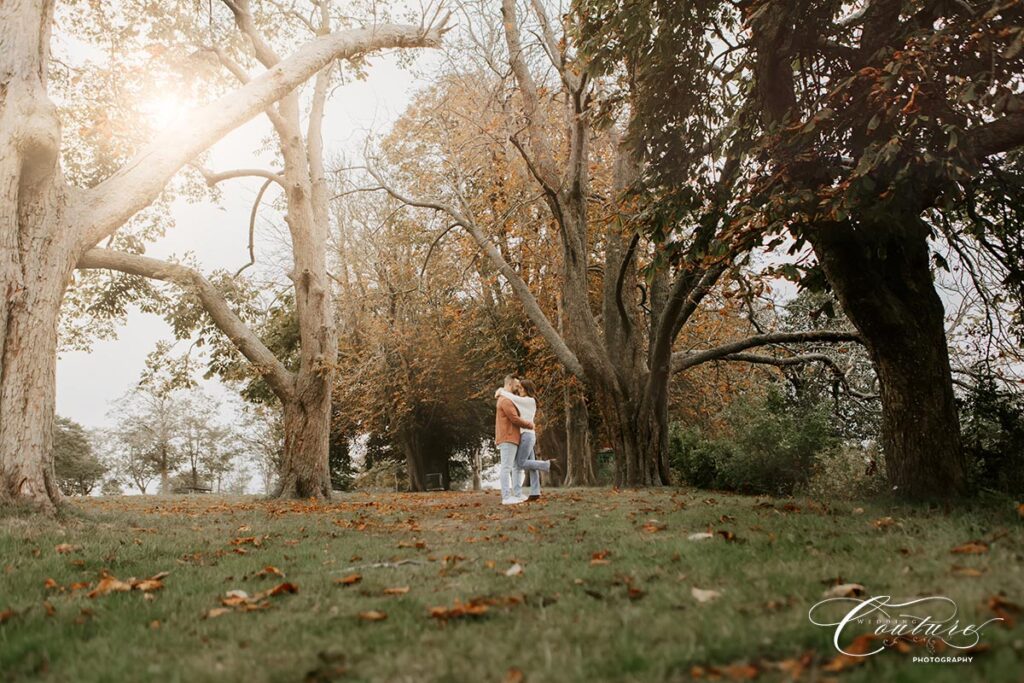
(684, 360)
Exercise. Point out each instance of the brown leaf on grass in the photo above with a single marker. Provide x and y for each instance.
(957, 570)
(515, 570)
(634, 593)
(109, 584)
(473, 608)
(844, 590)
(254, 541)
(397, 590)
(1020, 509)
(373, 615)
(883, 523)
(727, 535)
(652, 526)
(153, 583)
(269, 570)
(51, 611)
(217, 612)
(50, 585)
(277, 590)
(1004, 609)
(349, 580)
(971, 548)
(860, 646)
(6, 615)
(731, 672)
(65, 548)
(514, 675)
(700, 536)
(79, 585)
(600, 557)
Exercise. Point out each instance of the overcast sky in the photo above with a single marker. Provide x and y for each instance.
(218, 234)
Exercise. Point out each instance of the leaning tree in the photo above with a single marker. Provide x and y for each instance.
(879, 126)
(650, 285)
(47, 226)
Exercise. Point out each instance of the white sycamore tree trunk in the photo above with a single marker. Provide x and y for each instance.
(46, 225)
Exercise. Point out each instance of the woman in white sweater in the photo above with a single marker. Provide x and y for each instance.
(526, 458)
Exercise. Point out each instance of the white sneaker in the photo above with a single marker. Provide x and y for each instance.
(514, 500)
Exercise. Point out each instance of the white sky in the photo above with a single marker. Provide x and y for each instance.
(218, 235)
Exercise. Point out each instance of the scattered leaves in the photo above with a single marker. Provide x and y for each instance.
(971, 548)
(701, 595)
(349, 580)
(844, 590)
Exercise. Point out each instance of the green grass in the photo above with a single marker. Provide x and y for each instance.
(577, 621)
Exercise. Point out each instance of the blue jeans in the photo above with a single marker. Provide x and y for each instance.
(508, 475)
(526, 459)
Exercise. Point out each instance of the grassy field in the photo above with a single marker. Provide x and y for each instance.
(588, 585)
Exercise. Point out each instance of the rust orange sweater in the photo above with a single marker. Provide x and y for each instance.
(507, 422)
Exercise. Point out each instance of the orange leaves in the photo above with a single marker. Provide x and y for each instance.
(240, 601)
(476, 607)
(66, 548)
(269, 570)
(883, 523)
(652, 526)
(349, 580)
(514, 675)
(6, 615)
(971, 548)
(459, 610)
(111, 584)
(1004, 609)
(373, 615)
(397, 590)
(600, 557)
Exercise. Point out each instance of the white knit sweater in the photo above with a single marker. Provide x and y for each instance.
(526, 405)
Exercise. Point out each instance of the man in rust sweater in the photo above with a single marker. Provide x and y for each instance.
(507, 424)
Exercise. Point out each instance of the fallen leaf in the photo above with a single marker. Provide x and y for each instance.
(701, 536)
(971, 548)
(844, 590)
(957, 570)
(277, 590)
(154, 625)
(373, 615)
(1004, 609)
(600, 557)
(50, 609)
(514, 570)
(65, 548)
(50, 584)
(514, 675)
(398, 590)
(7, 615)
(1020, 509)
(349, 580)
(702, 595)
(883, 523)
(217, 612)
(270, 570)
(109, 584)
(474, 608)
(652, 525)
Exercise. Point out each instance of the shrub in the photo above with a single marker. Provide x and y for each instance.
(768, 446)
(992, 428)
(847, 472)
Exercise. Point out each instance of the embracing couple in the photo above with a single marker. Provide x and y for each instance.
(514, 433)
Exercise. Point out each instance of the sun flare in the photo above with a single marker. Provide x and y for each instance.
(164, 111)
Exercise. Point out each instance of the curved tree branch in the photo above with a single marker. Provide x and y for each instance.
(683, 360)
(245, 340)
(106, 207)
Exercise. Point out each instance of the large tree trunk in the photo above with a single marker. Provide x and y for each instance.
(305, 471)
(579, 455)
(35, 255)
(881, 276)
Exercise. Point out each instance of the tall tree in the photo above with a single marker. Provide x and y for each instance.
(47, 226)
(77, 468)
(617, 332)
(879, 125)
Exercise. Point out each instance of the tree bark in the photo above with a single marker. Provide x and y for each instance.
(881, 276)
(305, 472)
(579, 454)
